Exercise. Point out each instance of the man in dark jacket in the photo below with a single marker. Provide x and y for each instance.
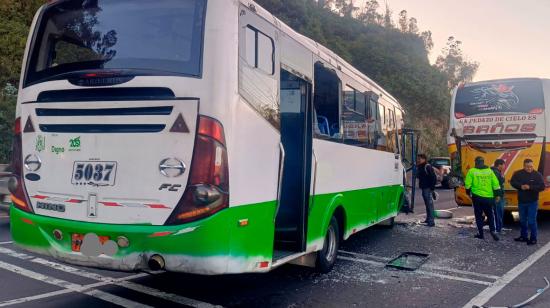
(529, 184)
(427, 180)
(498, 169)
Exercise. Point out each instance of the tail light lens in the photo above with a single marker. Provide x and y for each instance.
(17, 185)
(537, 111)
(207, 190)
(459, 115)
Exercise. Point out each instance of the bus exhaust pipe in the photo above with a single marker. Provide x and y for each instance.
(156, 263)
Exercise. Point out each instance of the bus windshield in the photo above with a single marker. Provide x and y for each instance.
(519, 96)
(145, 37)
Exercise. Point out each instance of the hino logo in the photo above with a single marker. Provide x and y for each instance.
(51, 207)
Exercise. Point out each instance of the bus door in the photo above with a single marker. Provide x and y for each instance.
(296, 155)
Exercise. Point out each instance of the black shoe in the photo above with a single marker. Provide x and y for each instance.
(531, 242)
(495, 236)
(479, 236)
(521, 239)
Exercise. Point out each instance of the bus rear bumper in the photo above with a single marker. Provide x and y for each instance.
(197, 248)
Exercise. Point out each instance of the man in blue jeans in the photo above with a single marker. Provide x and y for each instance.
(498, 169)
(529, 184)
(426, 181)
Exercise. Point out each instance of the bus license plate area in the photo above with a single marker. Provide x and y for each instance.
(77, 240)
(94, 173)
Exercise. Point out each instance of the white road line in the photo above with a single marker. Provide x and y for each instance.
(117, 300)
(70, 286)
(61, 292)
(109, 280)
(6, 243)
(4, 216)
(425, 273)
(485, 295)
(432, 267)
(126, 284)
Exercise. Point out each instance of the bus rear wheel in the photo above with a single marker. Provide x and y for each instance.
(327, 256)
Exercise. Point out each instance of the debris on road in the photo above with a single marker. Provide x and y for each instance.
(409, 261)
(443, 214)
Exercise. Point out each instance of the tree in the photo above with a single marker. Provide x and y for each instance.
(428, 41)
(454, 65)
(343, 7)
(370, 14)
(388, 18)
(403, 21)
(413, 25)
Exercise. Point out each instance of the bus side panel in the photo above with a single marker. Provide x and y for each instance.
(253, 149)
(367, 192)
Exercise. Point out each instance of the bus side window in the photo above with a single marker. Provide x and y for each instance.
(373, 120)
(326, 102)
(260, 50)
(354, 120)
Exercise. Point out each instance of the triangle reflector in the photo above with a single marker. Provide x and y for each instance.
(29, 128)
(179, 126)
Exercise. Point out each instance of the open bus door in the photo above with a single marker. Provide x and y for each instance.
(295, 166)
(409, 152)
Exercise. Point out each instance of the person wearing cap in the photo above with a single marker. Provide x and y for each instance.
(498, 169)
(482, 185)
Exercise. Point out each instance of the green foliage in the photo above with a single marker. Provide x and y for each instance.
(453, 63)
(395, 58)
(7, 117)
(394, 54)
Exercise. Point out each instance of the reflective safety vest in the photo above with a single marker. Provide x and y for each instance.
(482, 182)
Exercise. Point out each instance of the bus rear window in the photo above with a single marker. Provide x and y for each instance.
(148, 37)
(518, 96)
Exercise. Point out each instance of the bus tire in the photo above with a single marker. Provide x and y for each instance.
(327, 256)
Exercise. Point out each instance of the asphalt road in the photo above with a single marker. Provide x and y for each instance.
(460, 270)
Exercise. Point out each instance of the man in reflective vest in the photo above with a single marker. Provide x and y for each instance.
(482, 185)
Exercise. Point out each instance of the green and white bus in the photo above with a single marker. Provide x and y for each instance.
(197, 136)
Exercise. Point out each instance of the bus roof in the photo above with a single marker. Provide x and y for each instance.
(504, 80)
(322, 52)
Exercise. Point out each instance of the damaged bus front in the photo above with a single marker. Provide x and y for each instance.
(501, 119)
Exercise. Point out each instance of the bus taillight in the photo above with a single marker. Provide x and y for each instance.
(459, 115)
(16, 184)
(207, 190)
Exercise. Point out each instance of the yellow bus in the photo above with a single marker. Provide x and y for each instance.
(503, 119)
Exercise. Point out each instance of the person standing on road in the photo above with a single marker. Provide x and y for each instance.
(498, 169)
(426, 181)
(529, 184)
(482, 185)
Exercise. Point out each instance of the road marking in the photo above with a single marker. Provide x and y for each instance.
(4, 216)
(126, 284)
(432, 267)
(71, 286)
(380, 264)
(62, 292)
(108, 280)
(485, 295)
(6, 243)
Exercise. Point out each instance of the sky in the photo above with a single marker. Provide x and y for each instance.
(509, 38)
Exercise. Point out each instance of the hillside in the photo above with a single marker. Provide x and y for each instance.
(393, 53)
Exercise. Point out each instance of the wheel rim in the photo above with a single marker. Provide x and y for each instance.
(331, 244)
